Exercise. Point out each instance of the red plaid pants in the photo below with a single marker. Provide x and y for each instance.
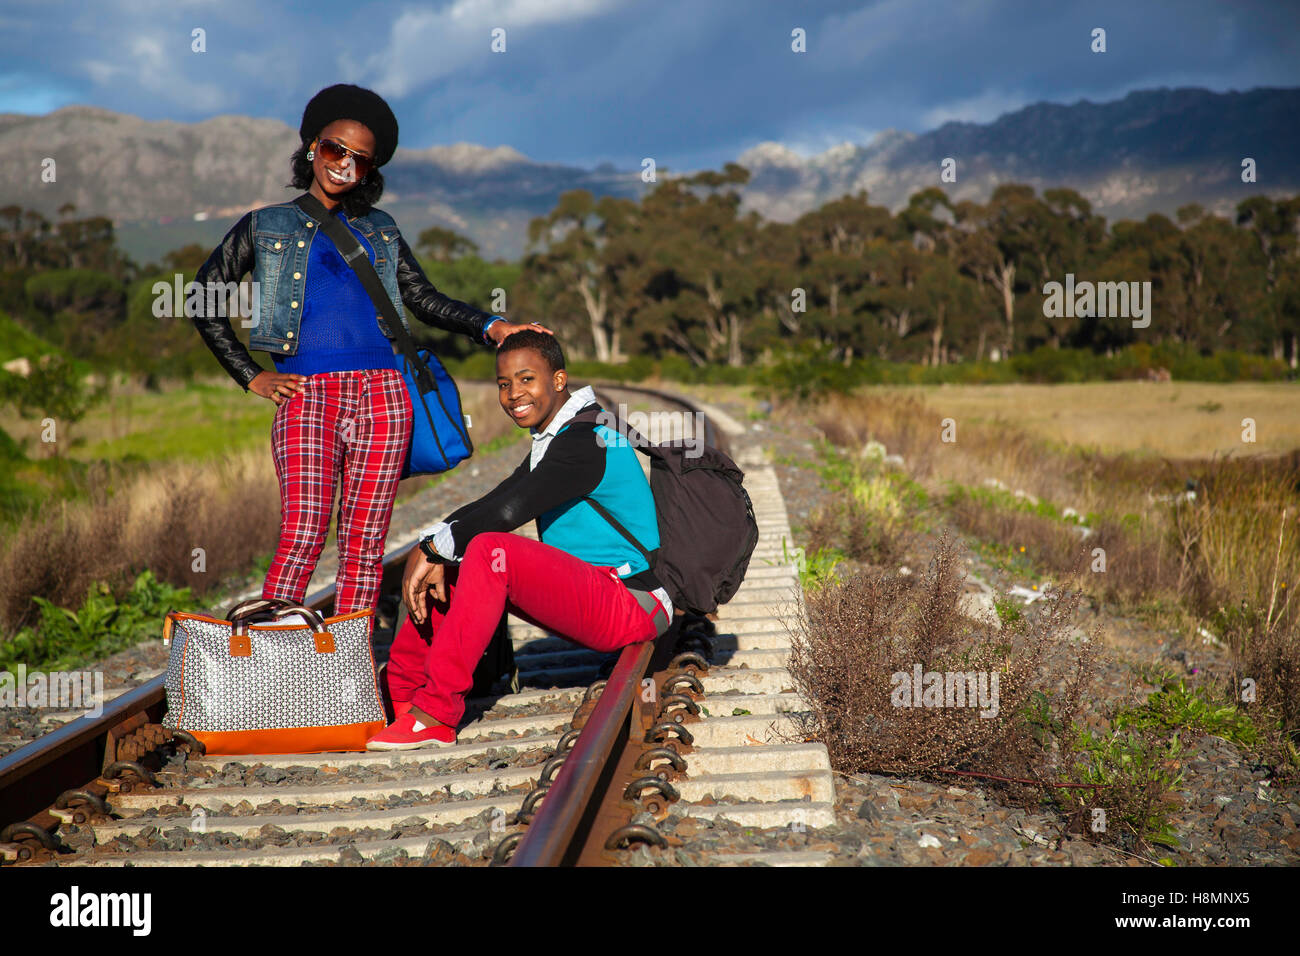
(353, 426)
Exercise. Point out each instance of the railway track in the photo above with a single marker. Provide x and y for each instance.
(578, 764)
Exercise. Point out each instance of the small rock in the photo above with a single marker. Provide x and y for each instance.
(439, 853)
(687, 828)
(390, 855)
(869, 811)
(350, 855)
(640, 856)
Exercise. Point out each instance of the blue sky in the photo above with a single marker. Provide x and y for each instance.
(691, 82)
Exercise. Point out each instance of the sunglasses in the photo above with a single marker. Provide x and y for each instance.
(336, 152)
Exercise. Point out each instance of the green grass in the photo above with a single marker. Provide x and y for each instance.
(1177, 708)
(26, 485)
(1000, 498)
(130, 431)
(1010, 559)
(64, 639)
(1008, 610)
(874, 485)
(1144, 768)
(1136, 760)
(196, 422)
(816, 569)
(17, 342)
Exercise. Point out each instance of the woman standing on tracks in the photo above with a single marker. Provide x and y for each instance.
(343, 414)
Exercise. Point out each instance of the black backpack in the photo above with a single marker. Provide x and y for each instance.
(707, 530)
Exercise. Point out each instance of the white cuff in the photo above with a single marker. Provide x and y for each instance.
(443, 541)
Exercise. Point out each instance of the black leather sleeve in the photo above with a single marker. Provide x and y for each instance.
(229, 262)
(429, 305)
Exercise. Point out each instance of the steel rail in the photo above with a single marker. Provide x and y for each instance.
(562, 830)
(552, 838)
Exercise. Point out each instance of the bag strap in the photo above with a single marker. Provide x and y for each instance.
(595, 414)
(355, 256)
(592, 413)
(651, 557)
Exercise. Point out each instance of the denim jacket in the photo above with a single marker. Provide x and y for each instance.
(273, 243)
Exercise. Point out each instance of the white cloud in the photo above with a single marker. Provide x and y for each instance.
(981, 108)
(156, 64)
(814, 144)
(426, 45)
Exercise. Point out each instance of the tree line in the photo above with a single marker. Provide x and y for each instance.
(683, 272)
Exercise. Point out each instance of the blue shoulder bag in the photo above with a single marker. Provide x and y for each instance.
(439, 439)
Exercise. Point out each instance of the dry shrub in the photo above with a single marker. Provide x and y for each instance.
(1271, 658)
(1211, 548)
(863, 535)
(154, 519)
(1265, 640)
(909, 427)
(1138, 564)
(230, 509)
(1218, 537)
(858, 633)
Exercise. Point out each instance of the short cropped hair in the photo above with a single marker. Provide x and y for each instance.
(543, 342)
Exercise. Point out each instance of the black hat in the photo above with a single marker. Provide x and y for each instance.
(345, 101)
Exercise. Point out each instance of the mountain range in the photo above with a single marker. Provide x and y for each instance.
(166, 183)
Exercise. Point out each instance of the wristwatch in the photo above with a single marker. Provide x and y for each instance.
(430, 552)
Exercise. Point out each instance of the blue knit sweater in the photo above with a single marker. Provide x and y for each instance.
(338, 331)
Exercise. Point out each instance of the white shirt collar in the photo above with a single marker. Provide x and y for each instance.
(577, 402)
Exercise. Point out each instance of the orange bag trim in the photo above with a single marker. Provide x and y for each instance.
(186, 615)
(290, 740)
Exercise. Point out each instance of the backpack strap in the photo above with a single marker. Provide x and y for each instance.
(592, 413)
(597, 416)
(355, 256)
(651, 557)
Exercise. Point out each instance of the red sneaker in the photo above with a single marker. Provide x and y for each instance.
(407, 733)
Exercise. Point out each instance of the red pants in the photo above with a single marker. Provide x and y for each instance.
(432, 664)
(350, 425)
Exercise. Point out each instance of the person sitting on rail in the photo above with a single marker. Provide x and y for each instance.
(583, 579)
